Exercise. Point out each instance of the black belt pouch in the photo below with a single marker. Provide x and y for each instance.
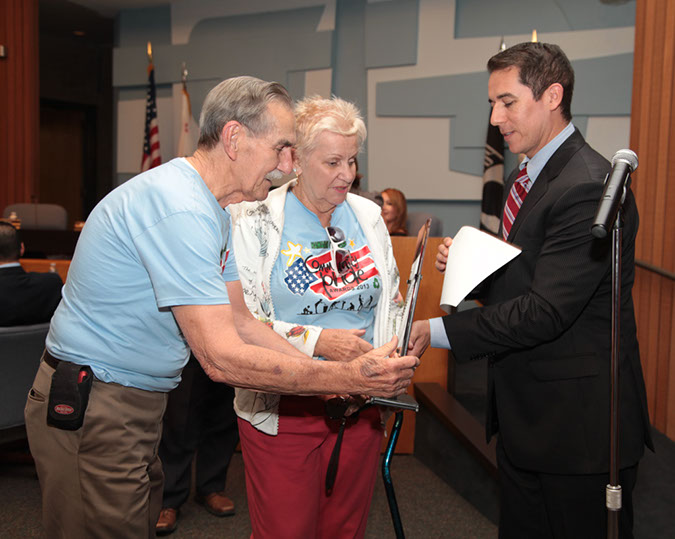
(69, 395)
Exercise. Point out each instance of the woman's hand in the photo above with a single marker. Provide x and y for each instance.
(341, 344)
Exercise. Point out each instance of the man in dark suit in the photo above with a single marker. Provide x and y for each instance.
(199, 425)
(25, 298)
(545, 324)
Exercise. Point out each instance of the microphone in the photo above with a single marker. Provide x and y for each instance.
(623, 163)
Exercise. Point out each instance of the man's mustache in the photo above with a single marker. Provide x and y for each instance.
(274, 175)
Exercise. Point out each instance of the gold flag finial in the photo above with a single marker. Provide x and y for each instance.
(149, 52)
(184, 74)
(534, 36)
(502, 45)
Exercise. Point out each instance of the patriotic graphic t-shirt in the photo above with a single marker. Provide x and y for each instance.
(316, 280)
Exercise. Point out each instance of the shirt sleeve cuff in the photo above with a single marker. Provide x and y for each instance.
(438, 336)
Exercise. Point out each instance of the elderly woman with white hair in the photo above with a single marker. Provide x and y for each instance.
(316, 263)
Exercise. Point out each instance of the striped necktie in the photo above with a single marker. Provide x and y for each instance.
(515, 200)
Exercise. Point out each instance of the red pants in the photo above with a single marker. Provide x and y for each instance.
(286, 474)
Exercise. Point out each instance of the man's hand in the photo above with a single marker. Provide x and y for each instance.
(442, 255)
(382, 375)
(211, 333)
(420, 335)
(341, 344)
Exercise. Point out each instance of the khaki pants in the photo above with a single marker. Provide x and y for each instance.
(105, 479)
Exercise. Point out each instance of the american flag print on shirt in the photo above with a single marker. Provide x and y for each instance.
(298, 278)
(361, 268)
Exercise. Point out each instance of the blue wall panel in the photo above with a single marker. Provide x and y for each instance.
(464, 99)
(391, 33)
(135, 27)
(268, 44)
(273, 46)
(483, 18)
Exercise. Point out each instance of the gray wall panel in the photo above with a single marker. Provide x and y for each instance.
(135, 27)
(265, 45)
(464, 99)
(391, 33)
(284, 44)
(480, 18)
(349, 69)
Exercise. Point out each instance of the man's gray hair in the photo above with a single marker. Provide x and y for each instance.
(242, 99)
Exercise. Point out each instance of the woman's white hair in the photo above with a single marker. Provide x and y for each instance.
(313, 115)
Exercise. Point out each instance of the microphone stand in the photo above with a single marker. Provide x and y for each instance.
(613, 489)
(611, 207)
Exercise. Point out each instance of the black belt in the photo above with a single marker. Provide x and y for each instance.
(50, 360)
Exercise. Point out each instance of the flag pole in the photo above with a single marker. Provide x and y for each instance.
(189, 130)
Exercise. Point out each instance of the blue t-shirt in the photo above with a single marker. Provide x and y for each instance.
(159, 240)
(305, 287)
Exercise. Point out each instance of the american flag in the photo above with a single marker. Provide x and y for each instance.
(298, 278)
(151, 156)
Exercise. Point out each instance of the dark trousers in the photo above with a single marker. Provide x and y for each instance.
(199, 420)
(537, 505)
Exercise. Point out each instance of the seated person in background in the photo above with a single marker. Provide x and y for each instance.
(316, 263)
(25, 298)
(395, 212)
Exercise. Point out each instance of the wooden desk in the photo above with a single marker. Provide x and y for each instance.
(43, 265)
(434, 363)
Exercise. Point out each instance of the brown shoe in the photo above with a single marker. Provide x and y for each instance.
(167, 521)
(217, 504)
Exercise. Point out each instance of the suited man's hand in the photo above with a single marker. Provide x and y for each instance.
(420, 335)
(442, 255)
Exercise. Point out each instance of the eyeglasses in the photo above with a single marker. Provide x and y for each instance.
(341, 258)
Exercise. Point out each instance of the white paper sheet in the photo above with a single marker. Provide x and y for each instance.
(472, 257)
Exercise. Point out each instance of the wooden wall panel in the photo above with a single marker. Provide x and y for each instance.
(653, 139)
(19, 101)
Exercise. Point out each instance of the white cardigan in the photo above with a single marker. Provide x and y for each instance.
(256, 238)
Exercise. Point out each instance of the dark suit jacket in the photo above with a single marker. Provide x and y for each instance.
(27, 298)
(546, 330)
